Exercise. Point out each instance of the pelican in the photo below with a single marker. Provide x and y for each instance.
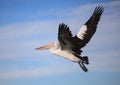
(69, 46)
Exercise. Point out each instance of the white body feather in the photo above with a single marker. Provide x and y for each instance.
(65, 54)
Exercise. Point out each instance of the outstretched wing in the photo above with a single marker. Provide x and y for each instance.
(89, 28)
(66, 40)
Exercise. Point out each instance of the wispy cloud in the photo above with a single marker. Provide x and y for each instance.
(16, 30)
(37, 72)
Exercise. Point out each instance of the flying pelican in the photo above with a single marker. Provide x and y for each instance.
(69, 46)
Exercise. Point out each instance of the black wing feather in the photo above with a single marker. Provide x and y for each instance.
(66, 40)
(91, 25)
(64, 30)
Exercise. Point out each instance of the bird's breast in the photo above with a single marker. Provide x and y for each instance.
(65, 54)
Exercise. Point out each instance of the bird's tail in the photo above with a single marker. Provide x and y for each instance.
(85, 60)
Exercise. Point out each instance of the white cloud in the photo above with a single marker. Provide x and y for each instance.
(16, 30)
(38, 72)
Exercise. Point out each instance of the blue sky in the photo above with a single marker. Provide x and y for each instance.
(27, 24)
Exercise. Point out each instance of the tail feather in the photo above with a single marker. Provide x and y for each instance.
(85, 59)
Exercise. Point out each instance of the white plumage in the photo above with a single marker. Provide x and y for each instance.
(63, 53)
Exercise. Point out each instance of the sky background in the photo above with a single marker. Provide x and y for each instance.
(27, 24)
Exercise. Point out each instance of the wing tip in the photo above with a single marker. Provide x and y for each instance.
(98, 10)
(64, 29)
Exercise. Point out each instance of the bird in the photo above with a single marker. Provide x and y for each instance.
(69, 46)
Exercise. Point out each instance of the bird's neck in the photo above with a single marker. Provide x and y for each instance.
(54, 50)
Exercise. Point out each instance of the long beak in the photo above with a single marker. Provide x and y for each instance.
(45, 47)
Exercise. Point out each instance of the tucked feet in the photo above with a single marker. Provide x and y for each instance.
(85, 59)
